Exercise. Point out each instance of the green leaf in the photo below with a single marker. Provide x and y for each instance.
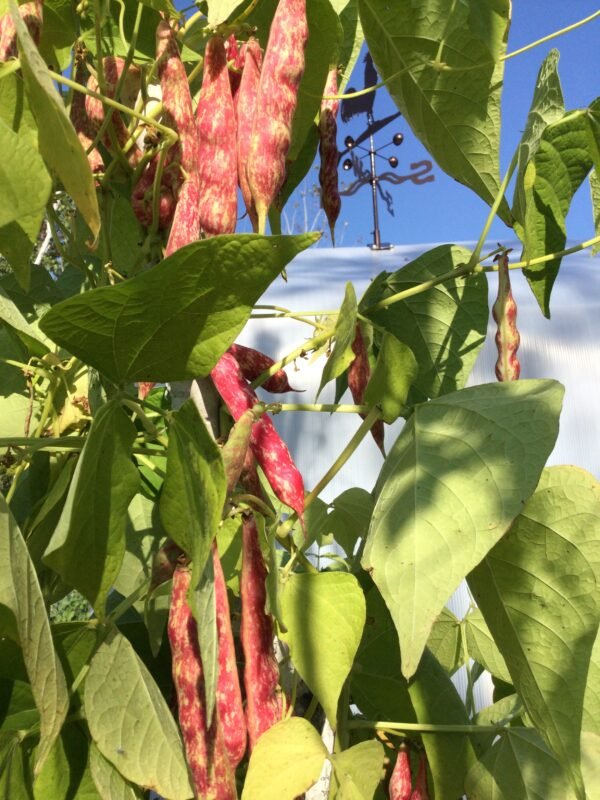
(109, 782)
(358, 770)
(590, 764)
(174, 321)
(88, 544)
(444, 327)
(15, 400)
(395, 371)
(547, 106)
(14, 779)
(349, 520)
(59, 33)
(296, 171)
(595, 194)
(143, 537)
(456, 115)
(26, 185)
(130, 721)
(344, 333)
(194, 490)
(591, 700)
(447, 496)
(12, 317)
(61, 149)
(518, 767)
(21, 599)
(203, 603)
(220, 10)
(323, 651)
(537, 590)
(324, 32)
(561, 164)
(445, 641)
(286, 761)
(353, 39)
(66, 773)
(165, 6)
(482, 647)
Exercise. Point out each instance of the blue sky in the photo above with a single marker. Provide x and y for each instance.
(443, 210)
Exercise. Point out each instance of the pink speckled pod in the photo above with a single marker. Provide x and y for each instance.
(268, 448)
(215, 118)
(183, 156)
(265, 701)
(359, 373)
(230, 709)
(245, 101)
(421, 791)
(504, 311)
(113, 67)
(32, 15)
(400, 787)
(253, 363)
(86, 129)
(282, 71)
(328, 172)
(207, 757)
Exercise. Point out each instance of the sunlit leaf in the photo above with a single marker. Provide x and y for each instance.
(358, 770)
(345, 326)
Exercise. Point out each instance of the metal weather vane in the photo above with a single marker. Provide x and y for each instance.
(421, 170)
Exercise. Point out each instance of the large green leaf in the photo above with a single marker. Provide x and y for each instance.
(26, 185)
(353, 38)
(547, 106)
(350, 517)
(444, 327)
(175, 320)
(15, 399)
(395, 371)
(457, 476)
(538, 591)
(286, 761)
(109, 782)
(12, 318)
(323, 649)
(345, 331)
(358, 770)
(220, 10)
(445, 641)
(518, 767)
(22, 604)
(88, 544)
(595, 195)
(130, 721)
(14, 780)
(61, 149)
(455, 114)
(563, 159)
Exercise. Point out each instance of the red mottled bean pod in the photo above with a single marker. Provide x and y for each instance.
(230, 710)
(269, 449)
(253, 363)
(182, 158)
(328, 172)
(265, 701)
(112, 67)
(32, 15)
(421, 791)
(282, 71)
(400, 787)
(504, 311)
(215, 117)
(359, 373)
(207, 758)
(86, 129)
(245, 102)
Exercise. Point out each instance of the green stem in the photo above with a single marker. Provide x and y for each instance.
(312, 707)
(543, 259)
(470, 696)
(422, 727)
(550, 36)
(310, 344)
(330, 408)
(372, 417)
(252, 500)
(474, 260)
